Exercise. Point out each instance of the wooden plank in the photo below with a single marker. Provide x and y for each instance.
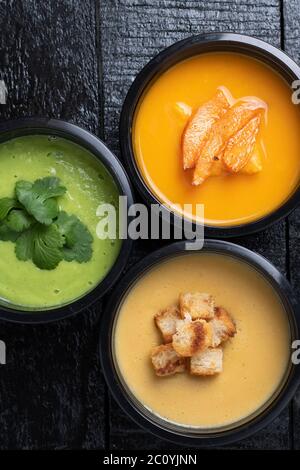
(51, 390)
(48, 60)
(131, 33)
(291, 43)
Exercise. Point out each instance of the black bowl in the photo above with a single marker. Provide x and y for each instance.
(213, 42)
(73, 133)
(170, 431)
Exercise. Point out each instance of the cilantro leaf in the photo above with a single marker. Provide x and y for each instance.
(41, 233)
(78, 239)
(24, 246)
(49, 187)
(42, 244)
(39, 198)
(47, 244)
(6, 205)
(6, 234)
(19, 220)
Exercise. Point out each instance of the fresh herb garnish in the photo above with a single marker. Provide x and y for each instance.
(42, 244)
(41, 232)
(39, 198)
(19, 220)
(78, 240)
(6, 234)
(6, 205)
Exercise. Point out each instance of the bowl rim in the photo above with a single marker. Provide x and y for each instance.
(211, 42)
(122, 397)
(82, 137)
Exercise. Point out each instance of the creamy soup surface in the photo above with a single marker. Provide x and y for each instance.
(158, 128)
(255, 360)
(88, 185)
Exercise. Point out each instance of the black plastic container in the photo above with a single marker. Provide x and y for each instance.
(170, 431)
(73, 133)
(195, 45)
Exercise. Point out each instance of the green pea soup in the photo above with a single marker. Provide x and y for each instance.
(88, 184)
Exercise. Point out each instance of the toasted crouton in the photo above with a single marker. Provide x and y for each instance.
(192, 337)
(208, 362)
(223, 326)
(197, 305)
(166, 361)
(166, 322)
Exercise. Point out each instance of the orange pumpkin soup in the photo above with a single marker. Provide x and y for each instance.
(162, 116)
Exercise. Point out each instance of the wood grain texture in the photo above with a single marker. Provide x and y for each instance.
(291, 44)
(132, 32)
(76, 60)
(48, 60)
(51, 390)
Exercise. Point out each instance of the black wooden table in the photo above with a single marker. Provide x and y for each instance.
(75, 60)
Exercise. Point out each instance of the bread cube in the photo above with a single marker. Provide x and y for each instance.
(166, 361)
(223, 326)
(166, 322)
(197, 305)
(192, 337)
(208, 362)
